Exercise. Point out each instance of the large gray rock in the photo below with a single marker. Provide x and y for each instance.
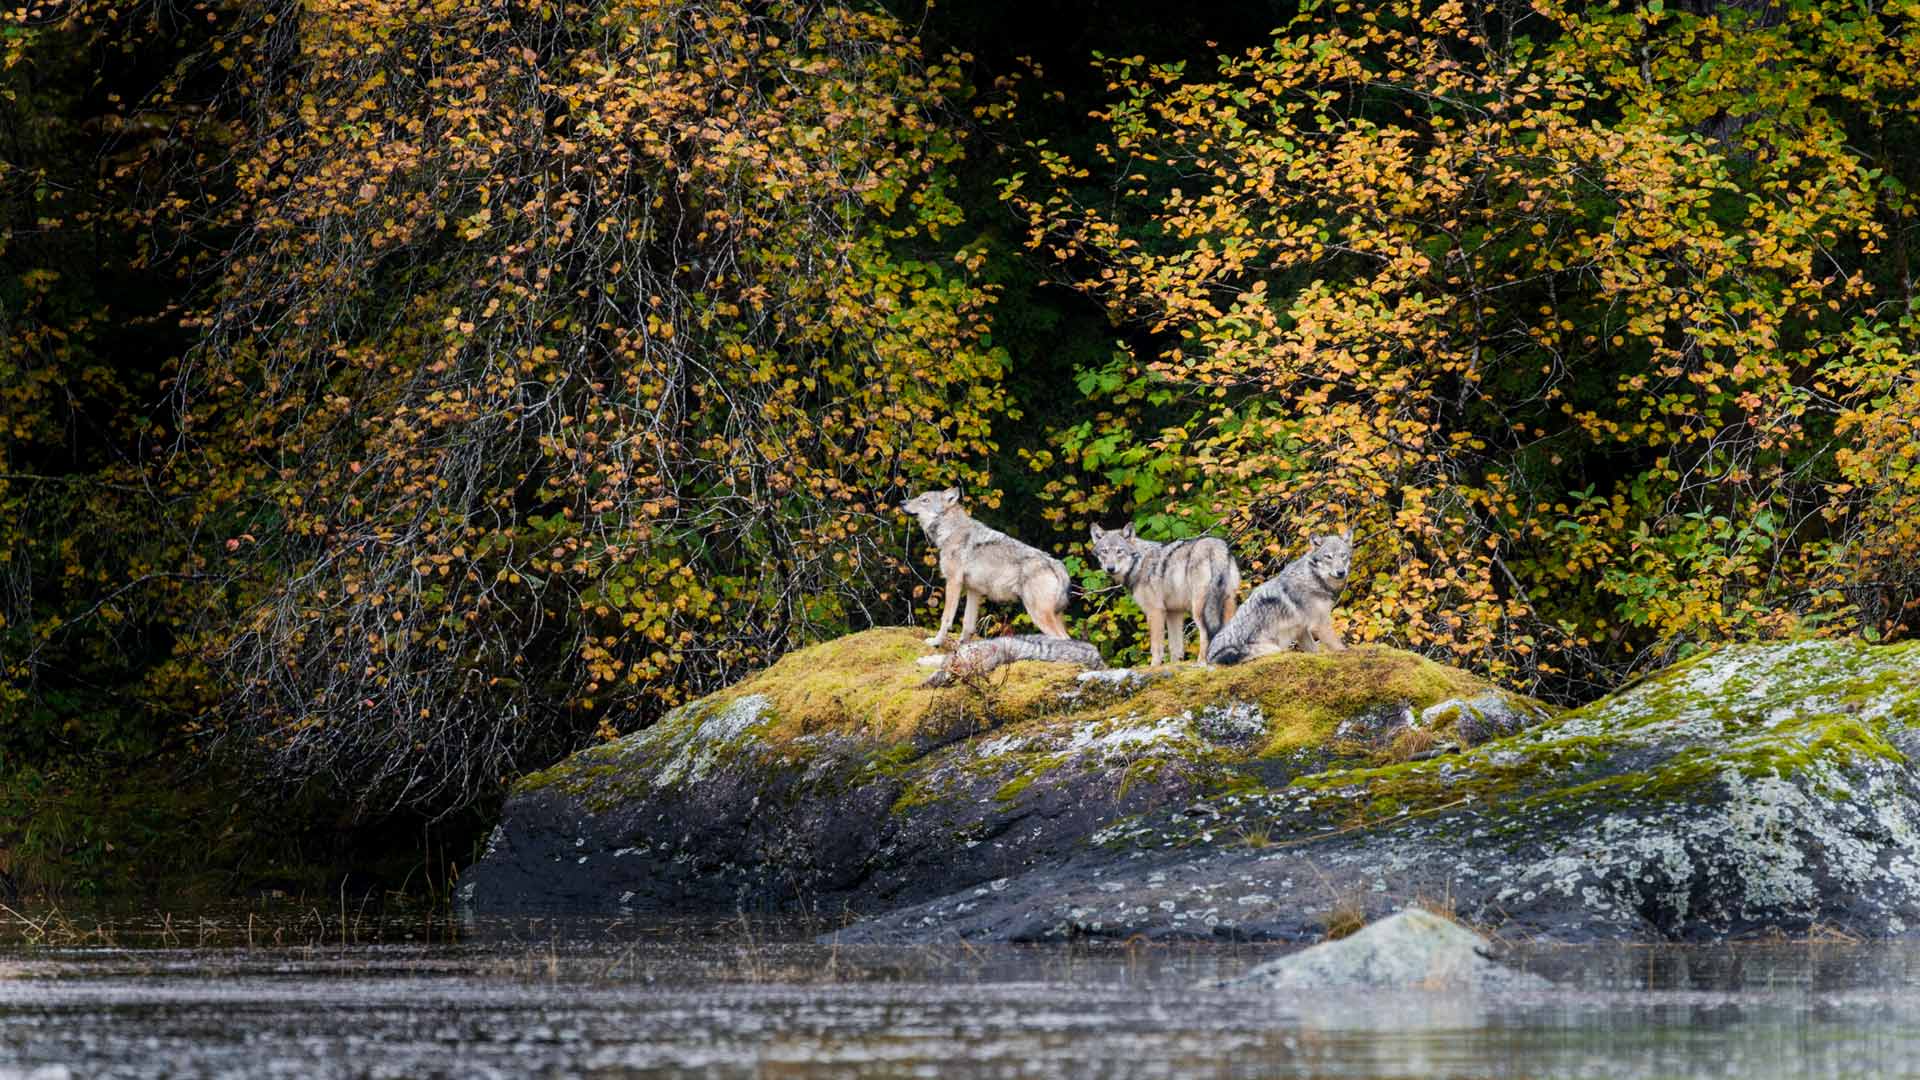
(1412, 950)
(1755, 790)
(834, 783)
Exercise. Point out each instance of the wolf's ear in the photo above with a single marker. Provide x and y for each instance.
(1347, 535)
(1127, 530)
(951, 496)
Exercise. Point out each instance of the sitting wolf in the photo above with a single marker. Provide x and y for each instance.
(1295, 608)
(1170, 582)
(980, 657)
(979, 561)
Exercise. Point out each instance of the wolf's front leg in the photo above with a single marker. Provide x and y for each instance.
(946, 619)
(1328, 637)
(1303, 640)
(1174, 626)
(1156, 636)
(973, 616)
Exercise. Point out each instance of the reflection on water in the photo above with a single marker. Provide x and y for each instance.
(336, 997)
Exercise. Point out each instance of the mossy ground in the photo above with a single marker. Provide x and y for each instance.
(867, 687)
(869, 684)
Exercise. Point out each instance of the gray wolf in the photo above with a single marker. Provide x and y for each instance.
(978, 561)
(1172, 581)
(1295, 608)
(980, 657)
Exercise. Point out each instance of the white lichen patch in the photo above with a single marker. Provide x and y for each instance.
(1233, 723)
(697, 747)
(1128, 735)
(1117, 677)
(1002, 745)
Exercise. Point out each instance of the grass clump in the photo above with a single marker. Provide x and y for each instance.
(1346, 918)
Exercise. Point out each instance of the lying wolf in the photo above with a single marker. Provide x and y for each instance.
(980, 657)
(1170, 582)
(1293, 609)
(979, 561)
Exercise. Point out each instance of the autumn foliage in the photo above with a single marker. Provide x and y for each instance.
(1582, 319)
(489, 377)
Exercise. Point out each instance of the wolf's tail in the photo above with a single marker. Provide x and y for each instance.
(1213, 606)
(1225, 653)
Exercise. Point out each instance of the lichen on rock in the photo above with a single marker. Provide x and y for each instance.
(838, 780)
(1751, 790)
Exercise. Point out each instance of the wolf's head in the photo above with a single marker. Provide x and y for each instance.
(929, 505)
(1113, 549)
(1330, 558)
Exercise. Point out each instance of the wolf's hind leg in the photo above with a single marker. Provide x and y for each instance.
(1045, 597)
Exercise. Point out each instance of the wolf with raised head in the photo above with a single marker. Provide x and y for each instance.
(1294, 609)
(980, 657)
(981, 562)
(1172, 581)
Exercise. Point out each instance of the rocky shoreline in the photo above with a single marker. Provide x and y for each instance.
(1755, 790)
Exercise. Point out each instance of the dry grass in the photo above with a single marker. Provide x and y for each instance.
(1410, 743)
(1346, 918)
(54, 928)
(1828, 934)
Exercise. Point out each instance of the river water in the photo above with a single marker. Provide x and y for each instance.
(306, 992)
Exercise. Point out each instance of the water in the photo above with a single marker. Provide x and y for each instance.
(301, 992)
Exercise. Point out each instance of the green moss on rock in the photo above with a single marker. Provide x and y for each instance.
(865, 690)
(1750, 711)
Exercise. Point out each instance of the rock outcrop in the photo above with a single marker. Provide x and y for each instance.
(833, 783)
(1752, 790)
(1412, 950)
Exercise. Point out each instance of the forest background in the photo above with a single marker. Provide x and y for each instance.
(396, 395)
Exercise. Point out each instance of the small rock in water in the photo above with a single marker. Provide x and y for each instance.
(1412, 950)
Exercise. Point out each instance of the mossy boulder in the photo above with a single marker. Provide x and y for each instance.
(834, 783)
(1753, 791)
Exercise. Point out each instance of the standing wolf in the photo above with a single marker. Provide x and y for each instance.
(979, 657)
(1170, 582)
(1295, 608)
(979, 561)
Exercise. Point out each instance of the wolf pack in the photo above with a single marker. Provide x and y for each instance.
(1173, 583)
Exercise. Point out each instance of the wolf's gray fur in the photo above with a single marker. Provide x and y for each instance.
(978, 561)
(1172, 581)
(980, 657)
(1293, 609)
